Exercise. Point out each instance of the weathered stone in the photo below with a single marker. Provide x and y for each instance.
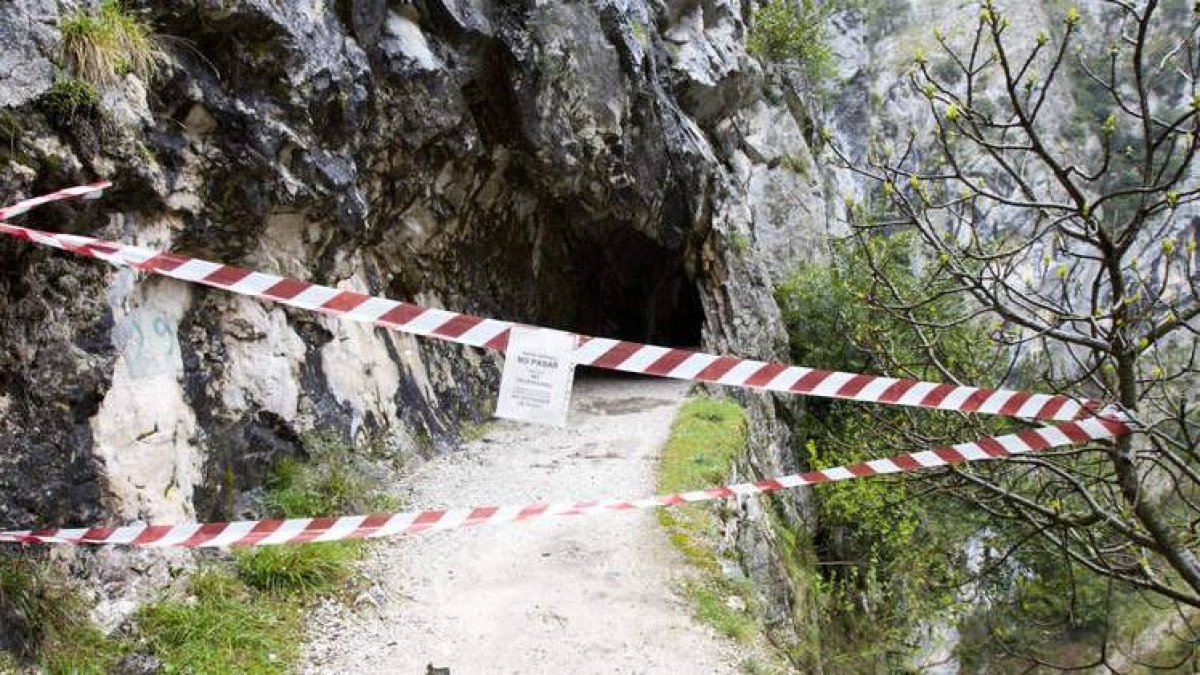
(606, 167)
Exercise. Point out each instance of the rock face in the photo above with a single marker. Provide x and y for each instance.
(615, 167)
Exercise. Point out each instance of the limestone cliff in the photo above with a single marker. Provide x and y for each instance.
(618, 167)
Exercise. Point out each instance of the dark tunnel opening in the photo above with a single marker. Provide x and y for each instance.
(636, 289)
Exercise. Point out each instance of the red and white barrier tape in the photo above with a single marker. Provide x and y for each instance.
(619, 355)
(303, 530)
(599, 352)
(89, 191)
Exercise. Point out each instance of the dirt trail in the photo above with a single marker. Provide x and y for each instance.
(587, 595)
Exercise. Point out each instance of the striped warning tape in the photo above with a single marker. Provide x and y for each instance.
(303, 530)
(619, 355)
(600, 352)
(89, 191)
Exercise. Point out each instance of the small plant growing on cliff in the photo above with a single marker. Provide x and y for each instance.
(791, 30)
(34, 606)
(102, 46)
(69, 98)
(10, 128)
(44, 618)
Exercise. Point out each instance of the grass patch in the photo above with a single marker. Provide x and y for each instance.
(473, 433)
(244, 618)
(705, 438)
(713, 608)
(44, 620)
(305, 570)
(226, 627)
(104, 45)
(333, 482)
(247, 619)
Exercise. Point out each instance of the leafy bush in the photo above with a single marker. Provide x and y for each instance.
(887, 560)
(102, 46)
(791, 30)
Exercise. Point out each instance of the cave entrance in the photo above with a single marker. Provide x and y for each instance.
(629, 287)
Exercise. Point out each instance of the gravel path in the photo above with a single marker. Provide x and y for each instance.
(587, 595)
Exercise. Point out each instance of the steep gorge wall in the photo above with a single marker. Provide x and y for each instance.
(617, 167)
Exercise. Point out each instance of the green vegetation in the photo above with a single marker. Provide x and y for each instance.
(471, 433)
(885, 560)
(639, 32)
(69, 98)
(100, 47)
(43, 618)
(305, 570)
(239, 617)
(225, 627)
(10, 128)
(739, 242)
(247, 619)
(797, 164)
(331, 483)
(792, 30)
(888, 554)
(705, 438)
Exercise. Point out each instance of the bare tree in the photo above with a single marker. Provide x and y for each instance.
(1055, 189)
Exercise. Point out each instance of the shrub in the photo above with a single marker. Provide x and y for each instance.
(791, 30)
(100, 47)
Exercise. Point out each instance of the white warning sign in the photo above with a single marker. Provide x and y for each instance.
(538, 370)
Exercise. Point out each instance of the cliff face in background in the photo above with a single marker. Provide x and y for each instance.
(615, 167)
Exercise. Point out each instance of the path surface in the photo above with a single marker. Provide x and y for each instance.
(589, 595)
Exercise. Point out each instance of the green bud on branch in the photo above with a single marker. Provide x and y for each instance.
(1110, 125)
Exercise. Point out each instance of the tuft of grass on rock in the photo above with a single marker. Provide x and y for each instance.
(44, 620)
(70, 97)
(101, 46)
